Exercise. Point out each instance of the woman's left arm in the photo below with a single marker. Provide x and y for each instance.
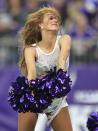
(65, 44)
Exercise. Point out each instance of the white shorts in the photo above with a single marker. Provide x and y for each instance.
(55, 108)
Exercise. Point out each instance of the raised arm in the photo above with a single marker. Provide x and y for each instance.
(65, 44)
(30, 54)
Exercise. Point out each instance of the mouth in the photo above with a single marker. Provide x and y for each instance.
(55, 24)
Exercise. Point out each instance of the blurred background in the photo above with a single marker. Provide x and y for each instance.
(80, 21)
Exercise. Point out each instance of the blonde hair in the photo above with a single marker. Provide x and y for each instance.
(31, 32)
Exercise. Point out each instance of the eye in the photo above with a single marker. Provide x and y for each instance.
(51, 18)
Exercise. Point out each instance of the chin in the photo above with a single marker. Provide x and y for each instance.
(53, 28)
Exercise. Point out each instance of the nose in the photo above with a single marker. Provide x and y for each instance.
(55, 20)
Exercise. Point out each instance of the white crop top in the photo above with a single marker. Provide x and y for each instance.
(45, 61)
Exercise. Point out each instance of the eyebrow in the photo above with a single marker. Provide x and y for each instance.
(52, 15)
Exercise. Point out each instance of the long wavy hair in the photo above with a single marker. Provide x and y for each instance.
(31, 32)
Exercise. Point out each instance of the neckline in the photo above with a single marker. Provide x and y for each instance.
(51, 51)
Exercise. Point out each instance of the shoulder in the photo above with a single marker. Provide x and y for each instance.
(65, 41)
(64, 38)
(30, 51)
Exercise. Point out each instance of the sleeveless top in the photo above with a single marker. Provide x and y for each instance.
(46, 61)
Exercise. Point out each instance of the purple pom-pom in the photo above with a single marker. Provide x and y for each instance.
(24, 98)
(59, 83)
(92, 122)
(20, 97)
(63, 83)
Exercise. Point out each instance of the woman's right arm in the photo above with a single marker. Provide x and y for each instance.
(29, 54)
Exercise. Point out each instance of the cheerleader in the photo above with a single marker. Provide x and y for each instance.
(43, 50)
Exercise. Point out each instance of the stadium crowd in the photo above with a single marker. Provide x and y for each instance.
(79, 20)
